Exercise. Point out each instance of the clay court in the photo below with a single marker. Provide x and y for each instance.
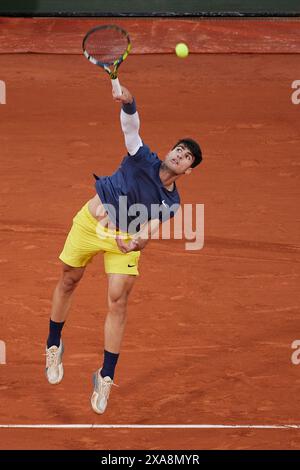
(209, 333)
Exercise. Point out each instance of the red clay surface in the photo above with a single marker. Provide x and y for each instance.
(150, 35)
(209, 334)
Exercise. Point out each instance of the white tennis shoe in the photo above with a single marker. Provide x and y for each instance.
(102, 388)
(54, 366)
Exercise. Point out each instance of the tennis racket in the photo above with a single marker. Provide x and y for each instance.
(107, 46)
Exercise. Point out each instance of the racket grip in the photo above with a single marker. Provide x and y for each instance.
(116, 86)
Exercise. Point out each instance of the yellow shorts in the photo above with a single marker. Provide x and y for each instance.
(88, 237)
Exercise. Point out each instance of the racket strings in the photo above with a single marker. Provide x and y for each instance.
(106, 45)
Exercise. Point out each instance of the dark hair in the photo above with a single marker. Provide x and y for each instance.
(193, 147)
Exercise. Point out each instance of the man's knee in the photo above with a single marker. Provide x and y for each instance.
(118, 304)
(118, 292)
(70, 278)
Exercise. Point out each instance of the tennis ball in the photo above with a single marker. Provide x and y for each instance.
(181, 50)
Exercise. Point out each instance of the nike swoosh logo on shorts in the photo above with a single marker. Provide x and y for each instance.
(131, 266)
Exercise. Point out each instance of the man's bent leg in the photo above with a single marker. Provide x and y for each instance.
(60, 307)
(63, 292)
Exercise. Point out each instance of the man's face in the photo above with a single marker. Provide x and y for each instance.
(179, 159)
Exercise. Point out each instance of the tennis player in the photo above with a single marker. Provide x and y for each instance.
(106, 224)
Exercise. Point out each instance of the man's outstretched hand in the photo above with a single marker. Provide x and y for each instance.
(126, 96)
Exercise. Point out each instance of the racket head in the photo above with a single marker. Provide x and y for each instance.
(107, 46)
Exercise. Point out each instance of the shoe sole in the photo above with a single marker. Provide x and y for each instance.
(60, 375)
(94, 398)
(60, 369)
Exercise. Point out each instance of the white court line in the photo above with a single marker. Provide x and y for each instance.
(150, 426)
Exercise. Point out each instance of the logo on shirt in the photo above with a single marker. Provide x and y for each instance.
(163, 202)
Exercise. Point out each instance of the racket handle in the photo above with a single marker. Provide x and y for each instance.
(116, 86)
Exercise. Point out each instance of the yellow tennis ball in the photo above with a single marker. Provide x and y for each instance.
(181, 50)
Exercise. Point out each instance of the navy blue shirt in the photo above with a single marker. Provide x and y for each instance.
(134, 194)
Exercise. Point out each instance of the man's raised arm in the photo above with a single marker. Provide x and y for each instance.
(130, 121)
